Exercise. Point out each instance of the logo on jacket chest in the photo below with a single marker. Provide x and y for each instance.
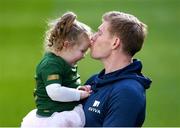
(95, 108)
(96, 103)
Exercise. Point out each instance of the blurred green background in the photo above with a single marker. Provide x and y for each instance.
(22, 27)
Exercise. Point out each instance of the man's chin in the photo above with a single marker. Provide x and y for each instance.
(94, 56)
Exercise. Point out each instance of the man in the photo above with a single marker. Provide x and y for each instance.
(118, 97)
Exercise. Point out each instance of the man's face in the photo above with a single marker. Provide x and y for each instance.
(101, 42)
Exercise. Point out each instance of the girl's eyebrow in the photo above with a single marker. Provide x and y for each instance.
(99, 30)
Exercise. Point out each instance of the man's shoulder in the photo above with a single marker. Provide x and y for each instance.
(128, 86)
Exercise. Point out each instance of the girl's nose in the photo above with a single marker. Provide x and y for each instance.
(91, 41)
(93, 38)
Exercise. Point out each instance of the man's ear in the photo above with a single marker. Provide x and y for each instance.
(116, 43)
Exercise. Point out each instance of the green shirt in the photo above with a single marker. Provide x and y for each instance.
(54, 69)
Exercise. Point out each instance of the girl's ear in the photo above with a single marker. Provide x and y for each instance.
(66, 44)
(116, 43)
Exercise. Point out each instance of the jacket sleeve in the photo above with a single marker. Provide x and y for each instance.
(122, 108)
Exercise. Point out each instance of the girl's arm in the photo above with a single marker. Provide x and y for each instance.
(57, 92)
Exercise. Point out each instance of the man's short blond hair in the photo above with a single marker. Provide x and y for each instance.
(128, 28)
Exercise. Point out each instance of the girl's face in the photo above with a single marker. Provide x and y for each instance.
(78, 51)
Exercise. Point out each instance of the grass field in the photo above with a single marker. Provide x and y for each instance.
(22, 27)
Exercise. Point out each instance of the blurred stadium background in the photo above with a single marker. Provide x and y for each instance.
(22, 27)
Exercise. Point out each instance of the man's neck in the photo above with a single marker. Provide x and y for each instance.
(116, 62)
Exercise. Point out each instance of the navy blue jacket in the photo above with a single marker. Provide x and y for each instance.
(118, 98)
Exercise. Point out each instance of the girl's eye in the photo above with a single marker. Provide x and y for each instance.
(83, 51)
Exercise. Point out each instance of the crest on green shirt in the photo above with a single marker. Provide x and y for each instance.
(53, 77)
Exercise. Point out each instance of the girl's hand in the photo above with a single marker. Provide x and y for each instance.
(86, 88)
(84, 94)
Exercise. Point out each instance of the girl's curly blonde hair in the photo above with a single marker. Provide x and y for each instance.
(65, 28)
